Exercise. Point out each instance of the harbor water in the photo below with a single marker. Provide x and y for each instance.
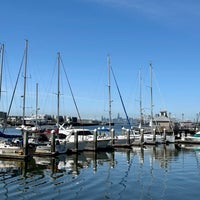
(149, 172)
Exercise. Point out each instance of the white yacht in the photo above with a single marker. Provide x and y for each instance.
(84, 136)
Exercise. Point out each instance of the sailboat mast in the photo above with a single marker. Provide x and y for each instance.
(25, 66)
(141, 114)
(109, 91)
(151, 88)
(36, 112)
(58, 94)
(1, 69)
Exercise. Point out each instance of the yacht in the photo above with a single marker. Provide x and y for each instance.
(83, 135)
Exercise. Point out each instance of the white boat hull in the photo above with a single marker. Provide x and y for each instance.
(12, 150)
(149, 138)
(60, 148)
(101, 144)
(122, 140)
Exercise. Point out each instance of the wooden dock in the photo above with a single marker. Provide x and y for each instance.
(15, 156)
(179, 141)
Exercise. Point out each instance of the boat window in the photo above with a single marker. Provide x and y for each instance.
(84, 133)
(43, 138)
(61, 136)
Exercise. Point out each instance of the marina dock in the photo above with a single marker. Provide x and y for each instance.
(124, 140)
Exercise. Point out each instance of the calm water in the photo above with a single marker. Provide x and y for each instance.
(162, 172)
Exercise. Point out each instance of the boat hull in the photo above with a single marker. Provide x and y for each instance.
(16, 151)
(149, 138)
(100, 144)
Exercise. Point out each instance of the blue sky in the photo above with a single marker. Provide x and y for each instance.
(133, 32)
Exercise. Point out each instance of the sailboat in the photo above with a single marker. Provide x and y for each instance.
(83, 139)
(159, 137)
(120, 139)
(148, 134)
(2, 134)
(16, 147)
(57, 144)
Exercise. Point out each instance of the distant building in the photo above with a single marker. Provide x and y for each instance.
(186, 125)
(3, 116)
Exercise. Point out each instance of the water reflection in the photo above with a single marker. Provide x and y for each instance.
(189, 147)
(75, 162)
(142, 171)
(162, 153)
(72, 164)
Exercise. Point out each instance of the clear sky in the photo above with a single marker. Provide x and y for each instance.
(133, 32)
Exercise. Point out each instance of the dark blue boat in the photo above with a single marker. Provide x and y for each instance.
(3, 135)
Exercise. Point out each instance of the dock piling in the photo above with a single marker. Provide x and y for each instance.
(142, 136)
(128, 136)
(53, 141)
(112, 136)
(95, 139)
(25, 143)
(75, 141)
(154, 135)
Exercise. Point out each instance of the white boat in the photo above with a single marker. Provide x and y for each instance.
(122, 139)
(84, 136)
(151, 138)
(148, 138)
(14, 149)
(192, 138)
(116, 138)
(60, 148)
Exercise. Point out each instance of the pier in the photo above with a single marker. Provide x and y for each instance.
(127, 139)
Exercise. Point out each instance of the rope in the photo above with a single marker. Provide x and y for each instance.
(127, 118)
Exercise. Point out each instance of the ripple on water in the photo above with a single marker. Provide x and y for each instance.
(140, 174)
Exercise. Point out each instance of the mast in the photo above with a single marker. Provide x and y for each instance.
(109, 91)
(151, 121)
(58, 94)
(141, 114)
(36, 112)
(1, 68)
(25, 66)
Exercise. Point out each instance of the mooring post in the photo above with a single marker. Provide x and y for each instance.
(53, 141)
(142, 136)
(76, 141)
(25, 143)
(154, 135)
(112, 136)
(95, 139)
(128, 136)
